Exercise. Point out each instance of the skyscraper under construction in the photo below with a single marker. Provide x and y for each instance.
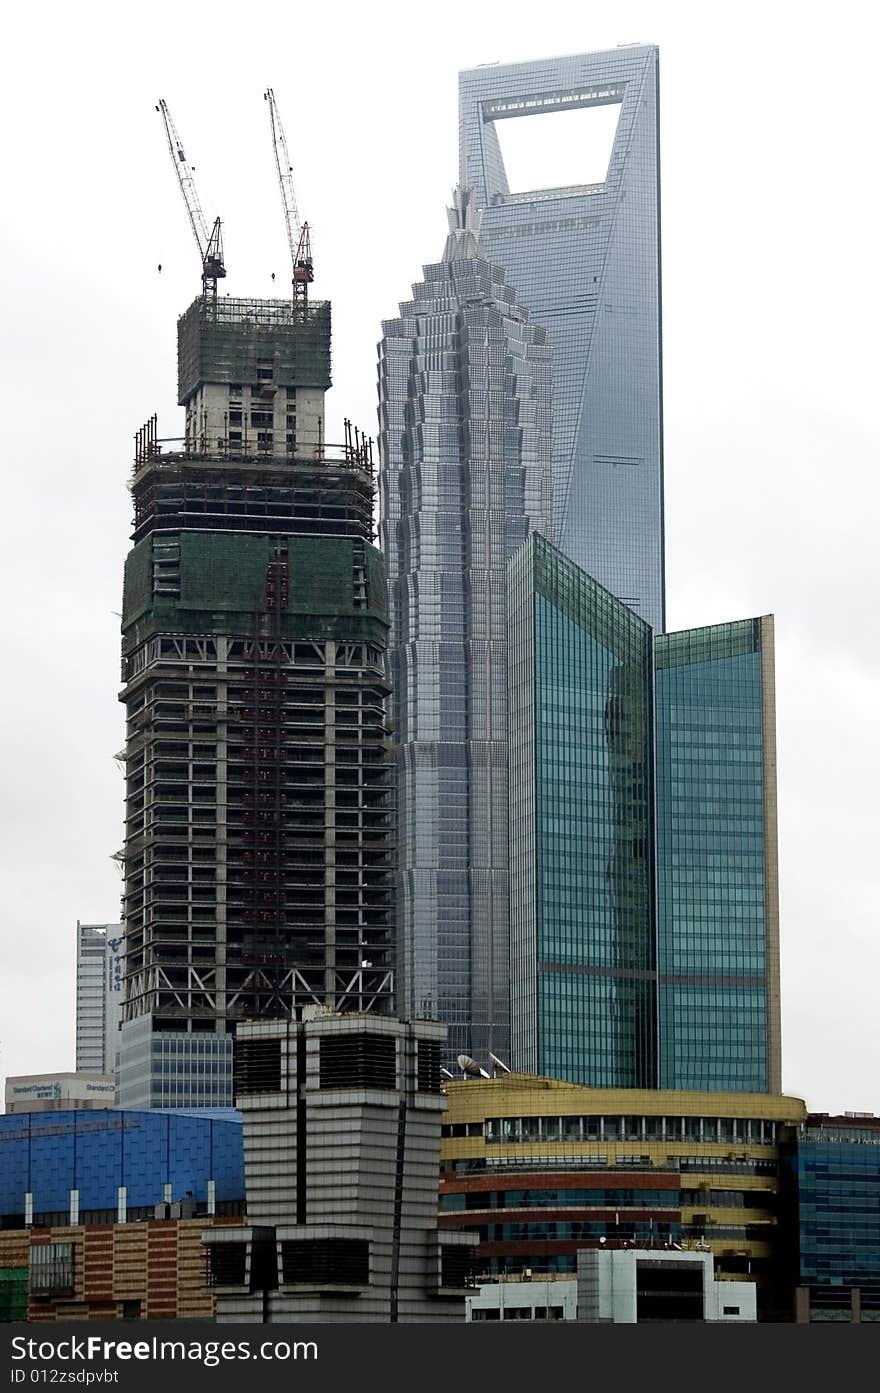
(258, 836)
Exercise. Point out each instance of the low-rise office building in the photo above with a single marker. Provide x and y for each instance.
(540, 1169)
(144, 1270)
(833, 1170)
(102, 1213)
(341, 1117)
(87, 1168)
(65, 1092)
(620, 1286)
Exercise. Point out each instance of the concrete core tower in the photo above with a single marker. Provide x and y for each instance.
(258, 779)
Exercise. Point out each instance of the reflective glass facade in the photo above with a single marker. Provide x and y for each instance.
(718, 931)
(582, 871)
(465, 474)
(644, 918)
(835, 1167)
(586, 260)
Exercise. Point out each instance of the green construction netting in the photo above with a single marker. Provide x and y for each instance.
(227, 339)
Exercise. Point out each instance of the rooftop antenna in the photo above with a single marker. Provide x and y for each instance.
(210, 245)
(470, 1068)
(499, 1063)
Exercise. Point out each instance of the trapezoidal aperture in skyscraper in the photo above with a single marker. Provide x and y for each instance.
(584, 256)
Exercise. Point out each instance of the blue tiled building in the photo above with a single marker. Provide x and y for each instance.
(157, 1156)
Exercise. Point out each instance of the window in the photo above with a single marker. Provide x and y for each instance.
(257, 1066)
(428, 1080)
(456, 1265)
(358, 1061)
(326, 1261)
(51, 1269)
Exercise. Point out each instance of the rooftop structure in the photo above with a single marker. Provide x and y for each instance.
(59, 1092)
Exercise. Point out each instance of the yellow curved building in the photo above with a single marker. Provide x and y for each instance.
(539, 1167)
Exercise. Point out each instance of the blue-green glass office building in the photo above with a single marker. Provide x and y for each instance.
(833, 1172)
(717, 925)
(582, 861)
(644, 931)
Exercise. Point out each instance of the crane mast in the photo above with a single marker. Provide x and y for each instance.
(298, 238)
(210, 245)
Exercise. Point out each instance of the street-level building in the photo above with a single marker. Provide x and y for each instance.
(342, 1116)
(102, 1212)
(94, 1167)
(150, 1269)
(833, 1168)
(539, 1169)
(620, 1286)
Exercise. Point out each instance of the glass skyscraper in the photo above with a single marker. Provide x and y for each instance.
(585, 259)
(581, 851)
(465, 475)
(718, 917)
(644, 921)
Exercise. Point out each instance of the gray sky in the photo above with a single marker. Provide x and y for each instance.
(770, 213)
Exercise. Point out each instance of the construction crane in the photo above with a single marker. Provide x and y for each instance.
(210, 246)
(297, 233)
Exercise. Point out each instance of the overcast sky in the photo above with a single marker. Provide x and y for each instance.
(770, 235)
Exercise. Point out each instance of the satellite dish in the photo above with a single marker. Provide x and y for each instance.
(499, 1063)
(471, 1067)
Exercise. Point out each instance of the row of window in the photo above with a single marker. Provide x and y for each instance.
(623, 1197)
(616, 1128)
